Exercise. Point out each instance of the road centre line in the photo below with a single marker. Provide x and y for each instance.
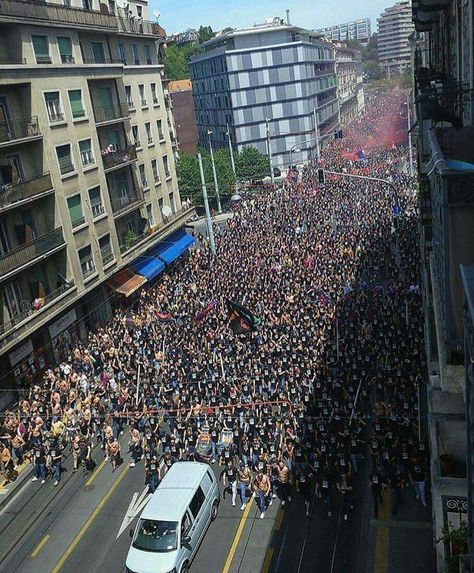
(268, 560)
(95, 473)
(89, 522)
(39, 547)
(279, 519)
(238, 535)
(382, 536)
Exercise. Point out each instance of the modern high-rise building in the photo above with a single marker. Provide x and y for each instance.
(87, 172)
(443, 88)
(350, 87)
(272, 71)
(359, 30)
(394, 28)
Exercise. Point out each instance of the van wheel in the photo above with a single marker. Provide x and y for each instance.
(185, 568)
(215, 505)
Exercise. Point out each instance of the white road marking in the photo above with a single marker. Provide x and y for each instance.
(136, 505)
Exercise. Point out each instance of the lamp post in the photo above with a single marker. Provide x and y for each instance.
(210, 230)
(269, 148)
(216, 186)
(316, 134)
(232, 156)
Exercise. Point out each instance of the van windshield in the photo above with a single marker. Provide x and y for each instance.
(158, 536)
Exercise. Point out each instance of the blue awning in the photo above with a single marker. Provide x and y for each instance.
(174, 246)
(148, 266)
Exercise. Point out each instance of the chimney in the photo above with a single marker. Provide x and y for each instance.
(288, 17)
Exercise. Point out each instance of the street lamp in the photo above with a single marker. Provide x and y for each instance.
(231, 156)
(210, 230)
(216, 186)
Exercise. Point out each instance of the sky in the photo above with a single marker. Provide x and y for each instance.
(178, 15)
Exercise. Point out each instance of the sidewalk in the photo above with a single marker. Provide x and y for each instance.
(8, 488)
(403, 542)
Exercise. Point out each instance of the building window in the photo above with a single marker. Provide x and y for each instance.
(166, 166)
(136, 138)
(85, 148)
(12, 298)
(148, 133)
(98, 52)
(41, 49)
(140, 11)
(75, 211)
(172, 204)
(53, 106)
(148, 55)
(106, 252)
(153, 94)
(128, 95)
(75, 100)
(149, 216)
(95, 198)
(121, 52)
(159, 125)
(136, 59)
(154, 168)
(63, 153)
(143, 181)
(141, 90)
(160, 206)
(87, 262)
(65, 50)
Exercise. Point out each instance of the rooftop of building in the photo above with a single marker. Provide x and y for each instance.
(179, 86)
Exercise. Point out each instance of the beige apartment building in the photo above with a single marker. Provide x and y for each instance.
(350, 88)
(87, 171)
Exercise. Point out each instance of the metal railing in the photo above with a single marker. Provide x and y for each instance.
(45, 12)
(123, 203)
(139, 26)
(78, 222)
(15, 192)
(29, 310)
(107, 255)
(13, 129)
(105, 60)
(12, 61)
(119, 156)
(111, 112)
(23, 254)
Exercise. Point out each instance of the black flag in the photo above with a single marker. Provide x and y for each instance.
(241, 319)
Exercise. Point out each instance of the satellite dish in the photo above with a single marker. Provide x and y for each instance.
(122, 4)
(166, 210)
(156, 14)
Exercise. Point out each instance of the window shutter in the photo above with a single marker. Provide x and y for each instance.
(94, 196)
(65, 46)
(75, 209)
(64, 159)
(75, 99)
(40, 46)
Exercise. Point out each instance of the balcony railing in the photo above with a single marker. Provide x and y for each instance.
(124, 202)
(14, 129)
(104, 60)
(139, 26)
(15, 192)
(45, 12)
(29, 310)
(107, 255)
(12, 61)
(30, 251)
(111, 112)
(118, 157)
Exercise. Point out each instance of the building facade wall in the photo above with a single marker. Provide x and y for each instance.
(394, 28)
(359, 30)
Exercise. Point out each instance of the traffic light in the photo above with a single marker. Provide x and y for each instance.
(339, 133)
(321, 176)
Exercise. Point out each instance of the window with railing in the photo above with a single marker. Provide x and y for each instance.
(95, 198)
(76, 215)
(121, 52)
(65, 49)
(159, 125)
(154, 95)
(135, 56)
(154, 169)
(87, 261)
(141, 91)
(149, 135)
(75, 100)
(98, 52)
(128, 94)
(106, 252)
(143, 180)
(85, 149)
(66, 164)
(166, 166)
(148, 55)
(53, 106)
(41, 49)
(149, 215)
(136, 137)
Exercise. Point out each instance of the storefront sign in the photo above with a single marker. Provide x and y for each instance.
(20, 353)
(62, 323)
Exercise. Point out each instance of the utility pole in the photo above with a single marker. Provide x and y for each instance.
(316, 134)
(210, 230)
(232, 157)
(409, 135)
(269, 148)
(216, 186)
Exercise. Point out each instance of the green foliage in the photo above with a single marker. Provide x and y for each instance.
(405, 80)
(205, 33)
(228, 29)
(371, 49)
(176, 60)
(130, 238)
(456, 535)
(251, 164)
(372, 70)
(187, 169)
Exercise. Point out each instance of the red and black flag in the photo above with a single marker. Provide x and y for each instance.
(241, 320)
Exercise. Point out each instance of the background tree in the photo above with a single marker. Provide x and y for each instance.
(372, 70)
(205, 33)
(251, 164)
(371, 50)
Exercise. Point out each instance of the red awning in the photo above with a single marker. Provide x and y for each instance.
(126, 282)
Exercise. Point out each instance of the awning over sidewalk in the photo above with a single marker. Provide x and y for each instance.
(126, 282)
(149, 265)
(174, 246)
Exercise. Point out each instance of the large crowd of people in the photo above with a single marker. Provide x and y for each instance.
(328, 382)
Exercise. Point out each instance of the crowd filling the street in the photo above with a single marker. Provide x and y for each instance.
(324, 382)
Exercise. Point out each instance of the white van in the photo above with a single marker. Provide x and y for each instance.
(174, 521)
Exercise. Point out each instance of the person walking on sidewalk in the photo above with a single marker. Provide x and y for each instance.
(39, 457)
(417, 477)
(262, 489)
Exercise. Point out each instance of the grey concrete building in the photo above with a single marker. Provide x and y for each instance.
(274, 70)
(444, 73)
(359, 30)
(394, 28)
(86, 169)
(350, 88)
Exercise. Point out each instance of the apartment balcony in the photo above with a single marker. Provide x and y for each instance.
(103, 61)
(139, 26)
(17, 194)
(15, 10)
(126, 202)
(111, 113)
(15, 131)
(119, 157)
(24, 255)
